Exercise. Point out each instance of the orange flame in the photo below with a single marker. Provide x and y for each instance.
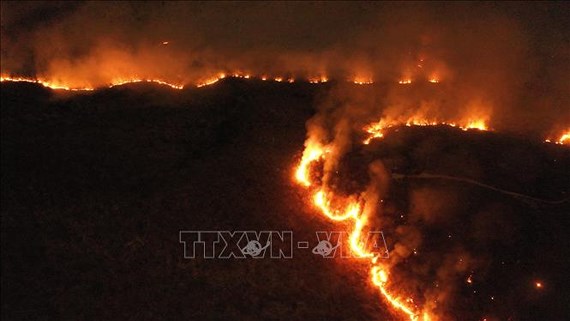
(205, 81)
(563, 139)
(351, 212)
(45, 83)
(360, 80)
(318, 80)
(376, 130)
(380, 279)
(58, 86)
(313, 152)
(120, 82)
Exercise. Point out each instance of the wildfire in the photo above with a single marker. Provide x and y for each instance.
(349, 210)
(45, 83)
(380, 279)
(562, 140)
(313, 151)
(362, 80)
(318, 80)
(120, 82)
(475, 124)
(206, 81)
(58, 86)
(376, 130)
(211, 80)
(352, 210)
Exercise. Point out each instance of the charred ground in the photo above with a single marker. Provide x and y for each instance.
(96, 187)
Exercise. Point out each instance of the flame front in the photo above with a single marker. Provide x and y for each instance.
(565, 138)
(63, 83)
(313, 151)
(349, 210)
(115, 82)
(376, 130)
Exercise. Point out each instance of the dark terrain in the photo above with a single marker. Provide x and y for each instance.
(97, 186)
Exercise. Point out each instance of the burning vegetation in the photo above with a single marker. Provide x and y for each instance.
(388, 85)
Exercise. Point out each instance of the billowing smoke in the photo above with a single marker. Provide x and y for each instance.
(480, 66)
(509, 62)
(505, 65)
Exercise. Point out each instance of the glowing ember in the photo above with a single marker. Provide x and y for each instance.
(362, 80)
(405, 81)
(318, 80)
(563, 139)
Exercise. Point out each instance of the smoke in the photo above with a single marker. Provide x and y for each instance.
(491, 67)
(509, 62)
(506, 64)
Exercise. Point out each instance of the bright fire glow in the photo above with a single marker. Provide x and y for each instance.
(318, 80)
(563, 139)
(376, 130)
(380, 279)
(116, 82)
(313, 151)
(349, 210)
(120, 82)
(352, 211)
(359, 80)
(45, 83)
(212, 80)
(201, 82)
(322, 202)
